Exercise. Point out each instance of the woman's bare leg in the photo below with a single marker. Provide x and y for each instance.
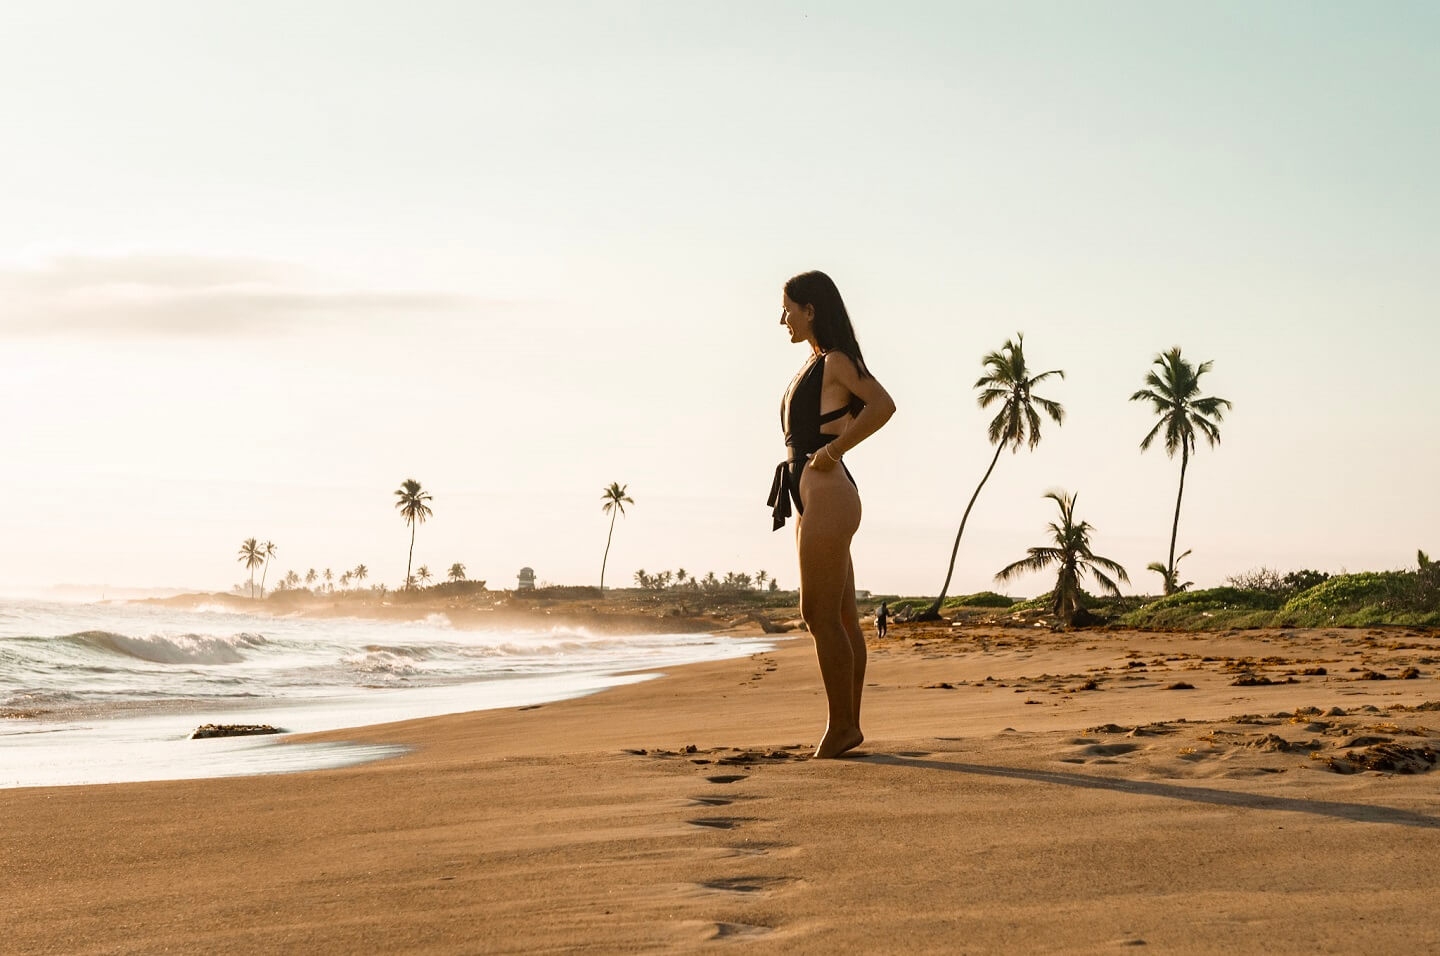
(850, 617)
(832, 513)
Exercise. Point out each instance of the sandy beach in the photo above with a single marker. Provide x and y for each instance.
(1019, 790)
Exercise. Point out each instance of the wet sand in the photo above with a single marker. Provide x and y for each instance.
(1019, 790)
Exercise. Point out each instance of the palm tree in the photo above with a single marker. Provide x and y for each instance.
(345, 580)
(1008, 380)
(760, 578)
(615, 502)
(251, 554)
(413, 508)
(1174, 394)
(269, 550)
(328, 578)
(423, 573)
(310, 577)
(361, 572)
(1170, 583)
(457, 571)
(1071, 553)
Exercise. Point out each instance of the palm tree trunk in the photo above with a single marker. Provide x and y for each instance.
(1174, 578)
(252, 582)
(264, 571)
(411, 556)
(933, 611)
(606, 559)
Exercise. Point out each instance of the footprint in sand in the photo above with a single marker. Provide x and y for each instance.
(736, 931)
(717, 823)
(745, 885)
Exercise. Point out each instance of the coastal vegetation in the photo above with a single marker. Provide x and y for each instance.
(1009, 382)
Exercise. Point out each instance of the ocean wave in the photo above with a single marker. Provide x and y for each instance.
(382, 662)
(181, 649)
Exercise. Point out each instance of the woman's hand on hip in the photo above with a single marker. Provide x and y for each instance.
(821, 460)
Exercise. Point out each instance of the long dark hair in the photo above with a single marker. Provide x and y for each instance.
(832, 323)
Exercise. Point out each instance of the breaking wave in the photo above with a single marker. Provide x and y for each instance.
(182, 649)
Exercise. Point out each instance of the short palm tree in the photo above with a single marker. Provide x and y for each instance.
(310, 577)
(345, 580)
(423, 573)
(1071, 554)
(457, 571)
(269, 550)
(1173, 392)
(615, 500)
(1008, 381)
(251, 555)
(328, 578)
(412, 502)
(1171, 585)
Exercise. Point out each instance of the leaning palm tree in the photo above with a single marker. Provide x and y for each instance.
(422, 573)
(413, 508)
(1008, 381)
(615, 500)
(457, 571)
(1174, 394)
(1072, 555)
(251, 555)
(269, 550)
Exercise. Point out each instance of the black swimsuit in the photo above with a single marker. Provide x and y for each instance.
(801, 420)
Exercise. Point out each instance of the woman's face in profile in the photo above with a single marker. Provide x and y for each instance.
(799, 319)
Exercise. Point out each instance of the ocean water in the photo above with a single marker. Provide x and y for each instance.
(105, 693)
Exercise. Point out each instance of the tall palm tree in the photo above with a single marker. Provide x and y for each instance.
(615, 500)
(361, 572)
(310, 577)
(1008, 381)
(423, 573)
(413, 508)
(457, 571)
(1174, 394)
(251, 554)
(1072, 555)
(269, 550)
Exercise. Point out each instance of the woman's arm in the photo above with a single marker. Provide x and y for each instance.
(879, 406)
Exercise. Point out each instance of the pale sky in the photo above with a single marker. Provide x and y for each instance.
(260, 262)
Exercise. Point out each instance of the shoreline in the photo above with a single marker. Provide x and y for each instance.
(998, 804)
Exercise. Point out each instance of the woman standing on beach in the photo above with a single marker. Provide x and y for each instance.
(827, 502)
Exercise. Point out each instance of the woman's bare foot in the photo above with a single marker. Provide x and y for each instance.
(838, 742)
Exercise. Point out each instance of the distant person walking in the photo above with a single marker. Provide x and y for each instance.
(827, 502)
(882, 618)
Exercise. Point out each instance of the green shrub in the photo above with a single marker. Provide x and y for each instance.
(1350, 592)
(980, 599)
(1218, 599)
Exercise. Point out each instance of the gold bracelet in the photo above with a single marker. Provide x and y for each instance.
(830, 450)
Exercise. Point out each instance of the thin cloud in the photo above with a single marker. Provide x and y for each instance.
(197, 297)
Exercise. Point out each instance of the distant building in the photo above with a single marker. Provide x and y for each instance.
(526, 580)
